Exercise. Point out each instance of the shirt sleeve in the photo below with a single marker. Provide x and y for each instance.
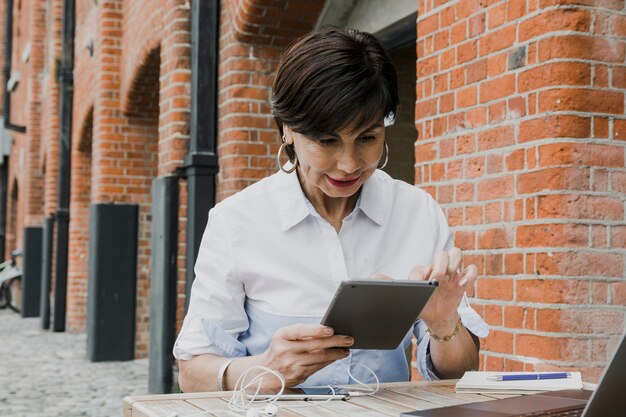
(469, 317)
(216, 316)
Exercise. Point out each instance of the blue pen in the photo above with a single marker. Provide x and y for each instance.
(530, 377)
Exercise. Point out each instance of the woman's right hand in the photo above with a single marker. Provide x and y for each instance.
(299, 350)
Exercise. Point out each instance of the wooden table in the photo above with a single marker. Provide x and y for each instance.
(391, 400)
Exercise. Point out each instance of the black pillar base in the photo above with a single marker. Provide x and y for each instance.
(31, 279)
(112, 282)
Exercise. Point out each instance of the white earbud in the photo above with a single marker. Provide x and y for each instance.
(271, 410)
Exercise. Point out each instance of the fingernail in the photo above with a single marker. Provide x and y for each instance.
(348, 340)
(463, 282)
(328, 331)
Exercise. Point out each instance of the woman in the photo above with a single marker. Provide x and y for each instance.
(273, 255)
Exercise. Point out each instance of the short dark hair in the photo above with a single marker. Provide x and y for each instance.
(331, 79)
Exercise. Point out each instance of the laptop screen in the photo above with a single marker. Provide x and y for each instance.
(609, 399)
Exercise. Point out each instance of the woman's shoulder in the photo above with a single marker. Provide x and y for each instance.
(255, 198)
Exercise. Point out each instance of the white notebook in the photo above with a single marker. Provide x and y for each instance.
(479, 382)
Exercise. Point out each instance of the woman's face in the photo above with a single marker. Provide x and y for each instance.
(339, 163)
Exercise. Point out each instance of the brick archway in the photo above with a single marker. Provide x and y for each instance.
(140, 165)
(80, 198)
(272, 22)
(142, 100)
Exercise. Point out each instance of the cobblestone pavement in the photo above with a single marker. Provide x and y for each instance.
(47, 374)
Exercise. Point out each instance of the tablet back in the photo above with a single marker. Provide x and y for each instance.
(377, 313)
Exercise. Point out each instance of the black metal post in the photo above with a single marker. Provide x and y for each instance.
(31, 278)
(163, 276)
(201, 163)
(112, 282)
(46, 272)
(4, 187)
(63, 200)
(7, 70)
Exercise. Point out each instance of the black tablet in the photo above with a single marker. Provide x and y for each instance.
(377, 313)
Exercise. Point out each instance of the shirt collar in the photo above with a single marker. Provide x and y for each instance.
(291, 200)
(372, 199)
(294, 207)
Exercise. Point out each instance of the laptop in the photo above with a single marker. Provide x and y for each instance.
(608, 400)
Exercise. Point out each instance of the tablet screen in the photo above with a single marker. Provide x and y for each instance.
(377, 313)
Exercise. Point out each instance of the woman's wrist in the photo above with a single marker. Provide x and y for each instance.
(443, 327)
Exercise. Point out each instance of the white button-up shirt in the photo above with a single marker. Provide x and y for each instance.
(268, 260)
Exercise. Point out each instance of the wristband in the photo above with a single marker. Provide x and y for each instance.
(221, 372)
(449, 337)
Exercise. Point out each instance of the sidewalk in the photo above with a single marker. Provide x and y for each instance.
(47, 374)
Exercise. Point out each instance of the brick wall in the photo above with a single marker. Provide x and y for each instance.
(131, 110)
(34, 181)
(520, 109)
(253, 34)
(80, 197)
(25, 202)
(49, 149)
(520, 113)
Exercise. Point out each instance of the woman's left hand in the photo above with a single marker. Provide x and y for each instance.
(441, 309)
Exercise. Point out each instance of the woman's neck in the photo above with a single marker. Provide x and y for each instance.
(332, 209)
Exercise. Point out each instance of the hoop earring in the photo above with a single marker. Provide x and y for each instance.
(280, 166)
(384, 164)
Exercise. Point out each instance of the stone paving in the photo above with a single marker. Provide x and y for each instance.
(46, 374)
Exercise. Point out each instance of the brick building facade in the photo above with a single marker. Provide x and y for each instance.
(519, 106)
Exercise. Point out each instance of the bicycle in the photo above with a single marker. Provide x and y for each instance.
(11, 283)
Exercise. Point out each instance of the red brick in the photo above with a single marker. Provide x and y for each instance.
(498, 341)
(600, 127)
(555, 20)
(466, 97)
(494, 264)
(474, 215)
(497, 40)
(476, 25)
(559, 291)
(493, 314)
(552, 235)
(618, 293)
(465, 144)
(497, 15)
(495, 288)
(497, 88)
(496, 188)
(618, 181)
(514, 317)
(496, 138)
(464, 240)
(619, 77)
(554, 73)
(585, 154)
(552, 348)
(464, 192)
(580, 264)
(580, 207)
(497, 238)
(580, 321)
(513, 263)
(619, 129)
(579, 46)
(515, 160)
(559, 178)
(583, 100)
